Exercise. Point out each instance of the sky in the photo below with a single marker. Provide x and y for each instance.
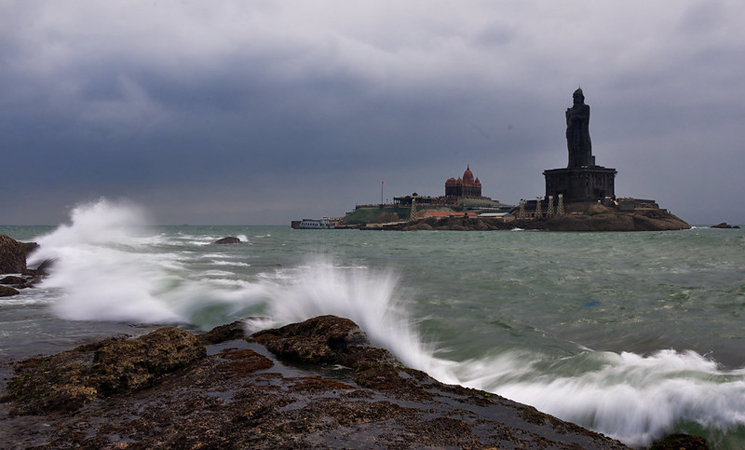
(259, 112)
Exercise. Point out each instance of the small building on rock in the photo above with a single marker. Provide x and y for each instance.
(466, 186)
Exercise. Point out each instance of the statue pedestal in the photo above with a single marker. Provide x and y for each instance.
(582, 184)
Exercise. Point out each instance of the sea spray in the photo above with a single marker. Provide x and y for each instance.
(99, 268)
(635, 399)
(110, 266)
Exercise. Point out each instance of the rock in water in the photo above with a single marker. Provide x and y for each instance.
(7, 291)
(13, 254)
(724, 225)
(228, 240)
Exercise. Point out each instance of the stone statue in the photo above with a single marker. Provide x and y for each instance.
(578, 132)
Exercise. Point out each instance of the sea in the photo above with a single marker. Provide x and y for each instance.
(634, 335)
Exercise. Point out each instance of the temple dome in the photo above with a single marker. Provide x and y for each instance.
(468, 176)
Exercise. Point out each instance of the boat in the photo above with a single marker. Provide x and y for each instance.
(312, 224)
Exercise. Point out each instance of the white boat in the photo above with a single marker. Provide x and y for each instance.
(314, 224)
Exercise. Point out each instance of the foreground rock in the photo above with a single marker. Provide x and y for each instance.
(66, 382)
(172, 390)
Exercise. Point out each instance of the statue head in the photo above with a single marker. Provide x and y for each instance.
(579, 97)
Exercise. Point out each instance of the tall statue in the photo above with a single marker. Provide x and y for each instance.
(578, 132)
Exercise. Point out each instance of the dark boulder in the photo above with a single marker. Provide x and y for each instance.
(11, 280)
(223, 333)
(7, 291)
(228, 240)
(330, 340)
(13, 254)
(724, 225)
(28, 280)
(320, 340)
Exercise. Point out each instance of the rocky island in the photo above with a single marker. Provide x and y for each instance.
(579, 197)
(585, 217)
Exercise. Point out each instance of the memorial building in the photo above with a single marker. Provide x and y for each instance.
(581, 180)
(466, 186)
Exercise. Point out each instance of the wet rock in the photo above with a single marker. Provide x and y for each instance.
(228, 240)
(320, 340)
(330, 340)
(241, 396)
(19, 282)
(7, 291)
(13, 254)
(680, 442)
(67, 381)
(223, 333)
(11, 280)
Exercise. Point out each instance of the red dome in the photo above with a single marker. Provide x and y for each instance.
(468, 176)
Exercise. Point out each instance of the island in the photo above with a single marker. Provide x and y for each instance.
(578, 197)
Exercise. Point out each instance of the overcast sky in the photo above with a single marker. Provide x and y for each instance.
(259, 112)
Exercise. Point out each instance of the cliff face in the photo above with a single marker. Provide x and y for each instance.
(171, 389)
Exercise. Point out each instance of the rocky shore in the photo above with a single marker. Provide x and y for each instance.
(319, 385)
(315, 384)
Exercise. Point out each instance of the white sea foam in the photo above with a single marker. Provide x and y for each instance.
(229, 263)
(635, 399)
(97, 267)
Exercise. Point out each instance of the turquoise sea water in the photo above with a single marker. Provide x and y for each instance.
(634, 335)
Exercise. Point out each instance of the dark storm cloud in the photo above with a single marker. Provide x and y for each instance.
(259, 112)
